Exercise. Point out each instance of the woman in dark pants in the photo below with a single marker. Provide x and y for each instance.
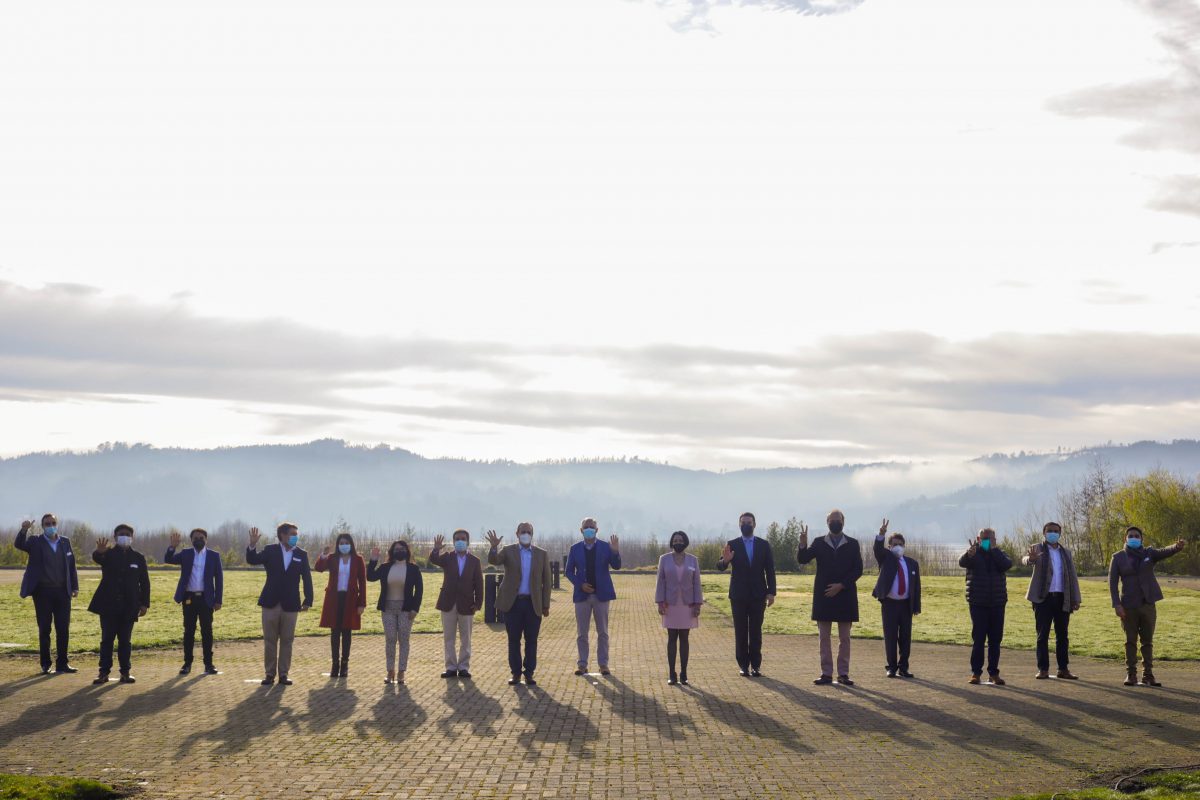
(345, 599)
(987, 595)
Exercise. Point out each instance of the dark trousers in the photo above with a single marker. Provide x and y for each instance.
(339, 637)
(53, 606)
(518, 620)
(897, 632)
(747, 631)
(196, 610)
(1046, 614)
(119, 627)
(987, 624)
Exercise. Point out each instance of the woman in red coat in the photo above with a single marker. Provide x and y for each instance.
(345, 599)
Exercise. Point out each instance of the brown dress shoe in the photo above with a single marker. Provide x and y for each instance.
(1148, 679)
(1067, 675)
(974, 680)
(1043, 674)
(1131, 679)
(996, 680)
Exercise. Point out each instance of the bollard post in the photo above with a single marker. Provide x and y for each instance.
(491, 584)
(555, 570)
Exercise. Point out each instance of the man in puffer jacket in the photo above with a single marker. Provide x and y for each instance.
(987, 595)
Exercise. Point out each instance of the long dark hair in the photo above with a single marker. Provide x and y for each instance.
(392, 552)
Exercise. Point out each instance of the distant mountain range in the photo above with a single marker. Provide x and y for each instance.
(382, 488)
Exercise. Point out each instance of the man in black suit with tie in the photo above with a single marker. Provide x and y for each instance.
(898, 591)
(286, 565)
(751, 591)
(201, 584)
(122, 597)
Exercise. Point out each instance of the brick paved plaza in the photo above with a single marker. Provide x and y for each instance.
(627, 735)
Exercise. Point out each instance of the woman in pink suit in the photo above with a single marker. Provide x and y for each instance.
(679, 599)
(345, 599)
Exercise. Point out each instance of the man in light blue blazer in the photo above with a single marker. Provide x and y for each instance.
(587, 568)
(201, 585)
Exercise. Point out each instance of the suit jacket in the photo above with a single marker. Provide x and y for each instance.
(462, 592)
(888, 566)
(1136, 568)
(282, 588)
(39, 549)
(539, 577)
(356, 591)
(576, 570)
(214, 576)
(669, 589)
(1039, 583)
(124, 583)
(414, 584)
(842, 565)
(750, 580)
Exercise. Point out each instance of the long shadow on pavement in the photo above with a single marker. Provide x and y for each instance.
(641, 709)
(75, 706)
(329, 705)
(396, 716)
(139, 705)
(554, 723)
(247, 722)
(469, 706)
(747, 720)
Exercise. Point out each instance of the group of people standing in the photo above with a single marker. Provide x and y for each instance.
(123, 597)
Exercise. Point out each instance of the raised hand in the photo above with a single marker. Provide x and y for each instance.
(1034, 550)
(175, 539)
(1181, 543)
(326, 550)
(494, 540)
(254, 537)
(615, 542)
(102, 544)
(883, 528)
(727, 553)
(803, 536)
(375, 553)
(26, 524)
(438, 541)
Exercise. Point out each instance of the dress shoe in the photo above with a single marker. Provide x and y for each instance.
(996, 680)
(529, 681)
(1067, 675)
(462, 673)
(66, 669)
(605, 671)
(581, 670)
(515, 680)
(673, 680)
(333, 671)
(185, 669)
(267, 681)
(974, 680)
(284, 680)
(824, 679)
(683, 681)
(1042, 674)
(1131, 678)
(345, 670)
(209, 669)
(745, 673)
(755, 673)
(905, 674)
(845, 680)
(127, 678)
(450, 673)
(101, 678)
(891, 673)
(1148, 679)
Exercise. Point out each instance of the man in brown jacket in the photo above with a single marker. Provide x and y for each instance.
(460, 598)
(524, 597)
(1133, 567)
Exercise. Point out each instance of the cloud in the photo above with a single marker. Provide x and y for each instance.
(693, 15)
(1179, 193)
(1110, 293)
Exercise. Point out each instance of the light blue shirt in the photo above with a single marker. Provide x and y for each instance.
(749, 542)
(526, 568)
(52, 542)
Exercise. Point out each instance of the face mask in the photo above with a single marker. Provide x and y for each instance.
(525, 538)
(898, 549)
(344, 549)
(589, 533)
(124, 541)
(399, 554)
(679, 547)
(292, 540)
(198, 544)
(460, 546)
(747, 529)
(985, 544)
(835, 526)
(1133, 544)
(52, 531)
(1052, 537)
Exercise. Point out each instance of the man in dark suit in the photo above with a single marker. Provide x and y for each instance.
(459, 600)
(51, 580)
(287, 565)
(898, 591)
(1133, 569)
(751, 591)
(835, 592)
(201, 584)
(122, 597)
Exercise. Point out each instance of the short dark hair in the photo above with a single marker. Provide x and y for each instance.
(749, 514)
(1132, 529)
(392, 550)
(1046, 527)
(686, 540)
(200, 531)
(892, 537)
(463, 531)
(124, 526)
(49, 516)
(285, 527)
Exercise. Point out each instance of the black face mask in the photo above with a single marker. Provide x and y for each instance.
(679, 547)
(835, 526)
(198, 544)
(747, 529)
(400, 555)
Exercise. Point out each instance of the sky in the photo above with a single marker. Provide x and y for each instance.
(719, 234)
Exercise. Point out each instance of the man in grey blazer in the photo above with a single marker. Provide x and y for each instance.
(1054, 593)
(524, 597)
(1133, 568)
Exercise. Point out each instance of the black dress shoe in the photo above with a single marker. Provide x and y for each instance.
(672, 680)
(683, 681)
(66, 669)
(891, 673)
(515, 680)
(745, 673)
(755, 673)
(127, 678)
(185, 669)
(844, 680)
(462, 673)
(45, 669)
(450, 673)
(529, 681)
(101, 678)
(267, 681)
(209, 669)
(581, 670)
(905, 674)
(824, 679)
(284, 680)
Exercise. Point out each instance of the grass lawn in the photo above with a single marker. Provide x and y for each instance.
(1153, 786)
(28, 787)
(1095, 629)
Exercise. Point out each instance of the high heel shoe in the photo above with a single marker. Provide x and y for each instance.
(673, 680)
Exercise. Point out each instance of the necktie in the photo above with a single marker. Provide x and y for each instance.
(902, 586)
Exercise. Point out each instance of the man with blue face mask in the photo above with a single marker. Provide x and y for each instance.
(1054, 593)
(459, 600)
(286, 567)
(51, 580)
(1133, 569)
(587, 568)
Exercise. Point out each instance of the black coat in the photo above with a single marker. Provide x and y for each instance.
(888, 564)
(414, 585)
(124, 583)
(842, 565)
(750, 581)
(987, 585)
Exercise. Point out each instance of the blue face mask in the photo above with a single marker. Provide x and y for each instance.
(460, 546)
(1052, 537)
(589, 533)
(292, 540)
(52, 531)
(344, 549)
(1133, 544)
(986, 544)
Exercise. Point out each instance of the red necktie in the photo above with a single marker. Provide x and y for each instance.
(902, 586)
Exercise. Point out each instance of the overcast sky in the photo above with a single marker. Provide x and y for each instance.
(721, 234)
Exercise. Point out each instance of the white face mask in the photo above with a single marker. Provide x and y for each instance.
(525, 538)
(898, 549)
(124, 541)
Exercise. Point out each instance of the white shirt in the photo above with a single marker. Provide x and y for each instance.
(1056, 570)
(344, 574)
(287, 559)
(894, 594)
(196, 579)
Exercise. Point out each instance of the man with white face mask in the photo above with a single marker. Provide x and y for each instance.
(122, 598)
(1054, 593)
(524, 597)
(587, 568)
(898, 591)
(51, 580)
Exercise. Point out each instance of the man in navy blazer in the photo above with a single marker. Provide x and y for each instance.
(201, 584)
(898, 591)
(51, 580)
(587, 568)
(287, 565)
(751, 591)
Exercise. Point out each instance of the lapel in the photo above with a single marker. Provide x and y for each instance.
(741, 543)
